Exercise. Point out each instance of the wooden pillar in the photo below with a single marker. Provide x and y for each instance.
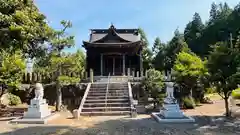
(141, 63)
(113, 65)
(101, 64)
(123, 64)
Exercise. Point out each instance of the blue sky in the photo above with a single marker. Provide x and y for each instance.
(157, 17)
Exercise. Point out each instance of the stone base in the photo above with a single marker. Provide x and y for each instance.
(37, 109)
(171, 111)
(185, 119)
(34, 121)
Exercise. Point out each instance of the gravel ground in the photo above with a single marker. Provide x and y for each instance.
(208, 122)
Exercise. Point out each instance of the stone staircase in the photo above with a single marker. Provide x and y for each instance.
(100, 101)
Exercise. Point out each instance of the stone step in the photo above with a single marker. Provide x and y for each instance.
(109, 91)
(115, 104)
(105, 109)
(109, 94)
(105, 113)
(104, 88)
(108, 100)
(104, 97)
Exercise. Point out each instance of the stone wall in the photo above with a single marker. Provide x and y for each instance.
(71, 94)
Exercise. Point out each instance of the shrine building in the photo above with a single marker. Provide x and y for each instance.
(114, 51)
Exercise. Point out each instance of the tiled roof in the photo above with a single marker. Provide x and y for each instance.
(130, 35)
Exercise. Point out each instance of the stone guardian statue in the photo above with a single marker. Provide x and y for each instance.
(39, 92)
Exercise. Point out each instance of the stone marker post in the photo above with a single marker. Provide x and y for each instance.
(91, 75)
(128, 72)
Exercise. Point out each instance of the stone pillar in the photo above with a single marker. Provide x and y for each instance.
(113, 66)
(86, 74)
(101, 64)
(128, 72)
(141, 63)
(123, 64)
(146, 75)
(91, 75)
(133, 73)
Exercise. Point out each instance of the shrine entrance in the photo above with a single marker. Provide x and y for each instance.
(112, 64)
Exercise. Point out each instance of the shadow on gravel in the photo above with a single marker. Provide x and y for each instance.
(126, 126)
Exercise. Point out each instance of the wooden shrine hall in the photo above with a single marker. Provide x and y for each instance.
(114, 51)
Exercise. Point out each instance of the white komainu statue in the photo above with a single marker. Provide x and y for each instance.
(39, 91)
(170, 89)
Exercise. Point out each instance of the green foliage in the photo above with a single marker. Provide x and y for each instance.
(236, 93)
(223, 66)
(66, 80)
(157, 46)
(165, 59)
(153, 84)
(223, 20)
(192, 33)
(14, 100)
(22, 27)
(211, 90)
(189, 103)
(146, 52)
(189, 69)
(12, 68)
(58, 61)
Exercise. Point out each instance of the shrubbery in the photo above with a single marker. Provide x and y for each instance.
(14, 100)
(210, 90)
(236, 93)
(152, 85)
(188, 103)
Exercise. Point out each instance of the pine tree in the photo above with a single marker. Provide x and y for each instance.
(213, 12)
(157, 45)
(146, 52)
(58, 43)
(193, 32)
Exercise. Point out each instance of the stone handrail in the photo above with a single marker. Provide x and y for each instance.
(84, 98)
(107, 90)
(131, 97)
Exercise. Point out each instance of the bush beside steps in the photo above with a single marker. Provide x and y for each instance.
(10, 99)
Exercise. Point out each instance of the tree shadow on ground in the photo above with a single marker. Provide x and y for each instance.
(135, 126)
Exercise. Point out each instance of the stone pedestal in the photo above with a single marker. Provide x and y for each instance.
(171, 111)
(37, 109)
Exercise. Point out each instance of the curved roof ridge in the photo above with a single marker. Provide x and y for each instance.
(112, 29)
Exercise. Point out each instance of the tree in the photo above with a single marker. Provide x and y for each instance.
(223, 66)
(58, 43)
(153, 85)
(188, 70)
(146, 52)
(213, 12)
(157, 46)
(218, 29)
(193, 32)
(176, 45)
(22, 27)
(158, 60)
(11, 70)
